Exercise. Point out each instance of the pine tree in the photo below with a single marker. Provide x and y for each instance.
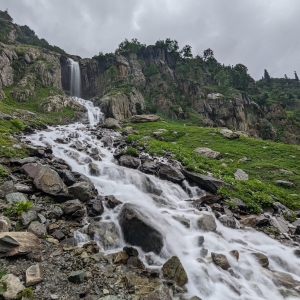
(296, 76)
(266, 75)
(285, 77)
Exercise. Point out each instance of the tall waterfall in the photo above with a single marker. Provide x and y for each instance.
(75, 84)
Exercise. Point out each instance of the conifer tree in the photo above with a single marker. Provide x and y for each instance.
(266, 75)
(296, 76)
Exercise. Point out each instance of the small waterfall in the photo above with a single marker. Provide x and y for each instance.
(75, 84)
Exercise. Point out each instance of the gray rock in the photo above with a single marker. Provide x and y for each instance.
(136, 226)
(240, 175)
(149, 167)
(82, 191)
(170, 173)
(280, 223)
(7, 188)
(74, 209)
(55, 213)
(94, 170)
(220, 260)
(112, 201)
(4, 116)
(76, 276)
(110, 123)
(173, 270)
(229, 134)
(16, 198)
(95, 207)
(235, 254)
(57, 234)
(28, 217)
(37, 228)
(34, 275)
(23, 188)
(207, 152)
(129, 161)
(261, 258)
(207, 223)
(144, 118)
(229, 221)
(184, 221)
(284, 183)
(5, 224)
(13, 286)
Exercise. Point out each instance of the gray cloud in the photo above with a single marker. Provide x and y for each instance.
(260, 34)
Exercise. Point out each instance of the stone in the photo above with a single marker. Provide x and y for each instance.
(68, 177)
(74, 209)
(203, 252)
(95, 207)
(149, 167)
(144, 118)
(121, 258)
(170, 173)
(5, 224)
(284, 183)
(207, 183)
(220, 260)
(94, 170)
(28, 216)
(131, 251)
(37, 228)
(229, 134)
(200, 240)
(207, 152)
(69, 242)
(261, 259)
(207, 222)
(135, 262)
(83, 191)
(34, 275)
(76, 276)
(112, 201)
(229, 221)
(55, 213)
(16, 198)
(235, 254)
(19, 243)
(7, 187)
(4, 116)
(162, 294)
(285, 279)
(280, 224)
(59, 235)
(13, 286)
(173, 270)
(138, 230)
(110, 123)
(184, 221)
(129, 161)
(240, 175)
(23, 188)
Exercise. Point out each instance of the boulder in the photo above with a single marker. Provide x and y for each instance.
(7, 188)
(207, 223)
(5, 224)
(207, 183)
(220, 260)
(94, 170)
(173, 270)
(13, 198)
(144, 118)
(170, 173)
(149, 167)
(235, 254)
(76, 276)
(46, 179)
(138, 230)
(28, 216)
(74, 209)
(207, 152)
(4, 116)
(240, 175)
(121, 258)
(129, 161)
(13, 286)
(95, 207)
(37, 228)
(229, 221)
(135, 262)
(261, 258)
(229, 134)
(110, 123)
(34, 275)
(83, 191)
(284, 183)
(19, 243)
(162, 294)
(112, 201)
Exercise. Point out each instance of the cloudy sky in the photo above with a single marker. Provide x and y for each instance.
(261, 34)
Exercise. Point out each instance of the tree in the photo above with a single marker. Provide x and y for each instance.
(187, 51)
(285, 77)
(127, 46)
(266, 75)
(208, 54)
(296, 76)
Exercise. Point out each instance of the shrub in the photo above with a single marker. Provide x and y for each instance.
(17, 208)
(130, 151)
(18, 124)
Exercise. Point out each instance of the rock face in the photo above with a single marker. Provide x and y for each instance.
(173, 269)
(138, 231)
(7, 56)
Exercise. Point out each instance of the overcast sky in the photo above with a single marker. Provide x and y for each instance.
(261, 34)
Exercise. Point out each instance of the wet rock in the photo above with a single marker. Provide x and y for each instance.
(34, 275)
(28, 217)
(284, 183)
(68, 177)
(235, 254)
(241, 175)
(5, 224)
(13, 286)
(95, 207)
(162, 294)
(94, 170)
(206, 182)
(229, 134)
(136, 226)
(195, 298)
(261, 258)
(131, 251)
(280, 224)
(19, 243)
(76, 276)
(135, 262)
(200, 240)
(207, 152)
(37, 228)
(210, 199)
(144, 118)
(129, 161)
(173, 270)
(107, 141)
(16, 198)
(229, 221)
(74, 209)
(69, 242)
(220, 260)
(46, 179)
(284, 279)
(149, 167)
(207, 223)
(121, 258)
(82, 191)
(184, 221)
(91, 247)
(170, 173)
(112, 201)
(7, 188)
(203, 252)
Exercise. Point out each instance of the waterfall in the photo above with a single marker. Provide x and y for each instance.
(75, 83)
(246, 280)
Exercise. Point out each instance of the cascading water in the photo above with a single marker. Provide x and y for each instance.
(246, 280)
(75, 81)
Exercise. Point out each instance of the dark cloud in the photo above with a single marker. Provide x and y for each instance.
(259, 33)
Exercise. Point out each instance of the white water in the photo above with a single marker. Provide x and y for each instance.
(75, 83)
(206, 280)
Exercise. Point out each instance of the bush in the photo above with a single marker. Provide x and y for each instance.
(17, 208)
(152, 69)
(18, 124)
(130, 151)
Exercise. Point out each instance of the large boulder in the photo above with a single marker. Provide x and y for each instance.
(110, 123)
(207, 222)
(95, 207)
(207, 183)
(46, 179)
(170, 173)
(138, 230)
(129, 161)
(173, 270)
(83, 191)
(74, 209)
(229, 134)
(207, 152)
(144, 118)
(220, 260)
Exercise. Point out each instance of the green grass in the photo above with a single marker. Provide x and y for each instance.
(267, 158)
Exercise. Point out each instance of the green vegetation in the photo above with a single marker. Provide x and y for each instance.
(17, 209)
(127, 47)
(267, 158)
(130, 151)
(27, 294)
(152, 69)
(3, 285)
